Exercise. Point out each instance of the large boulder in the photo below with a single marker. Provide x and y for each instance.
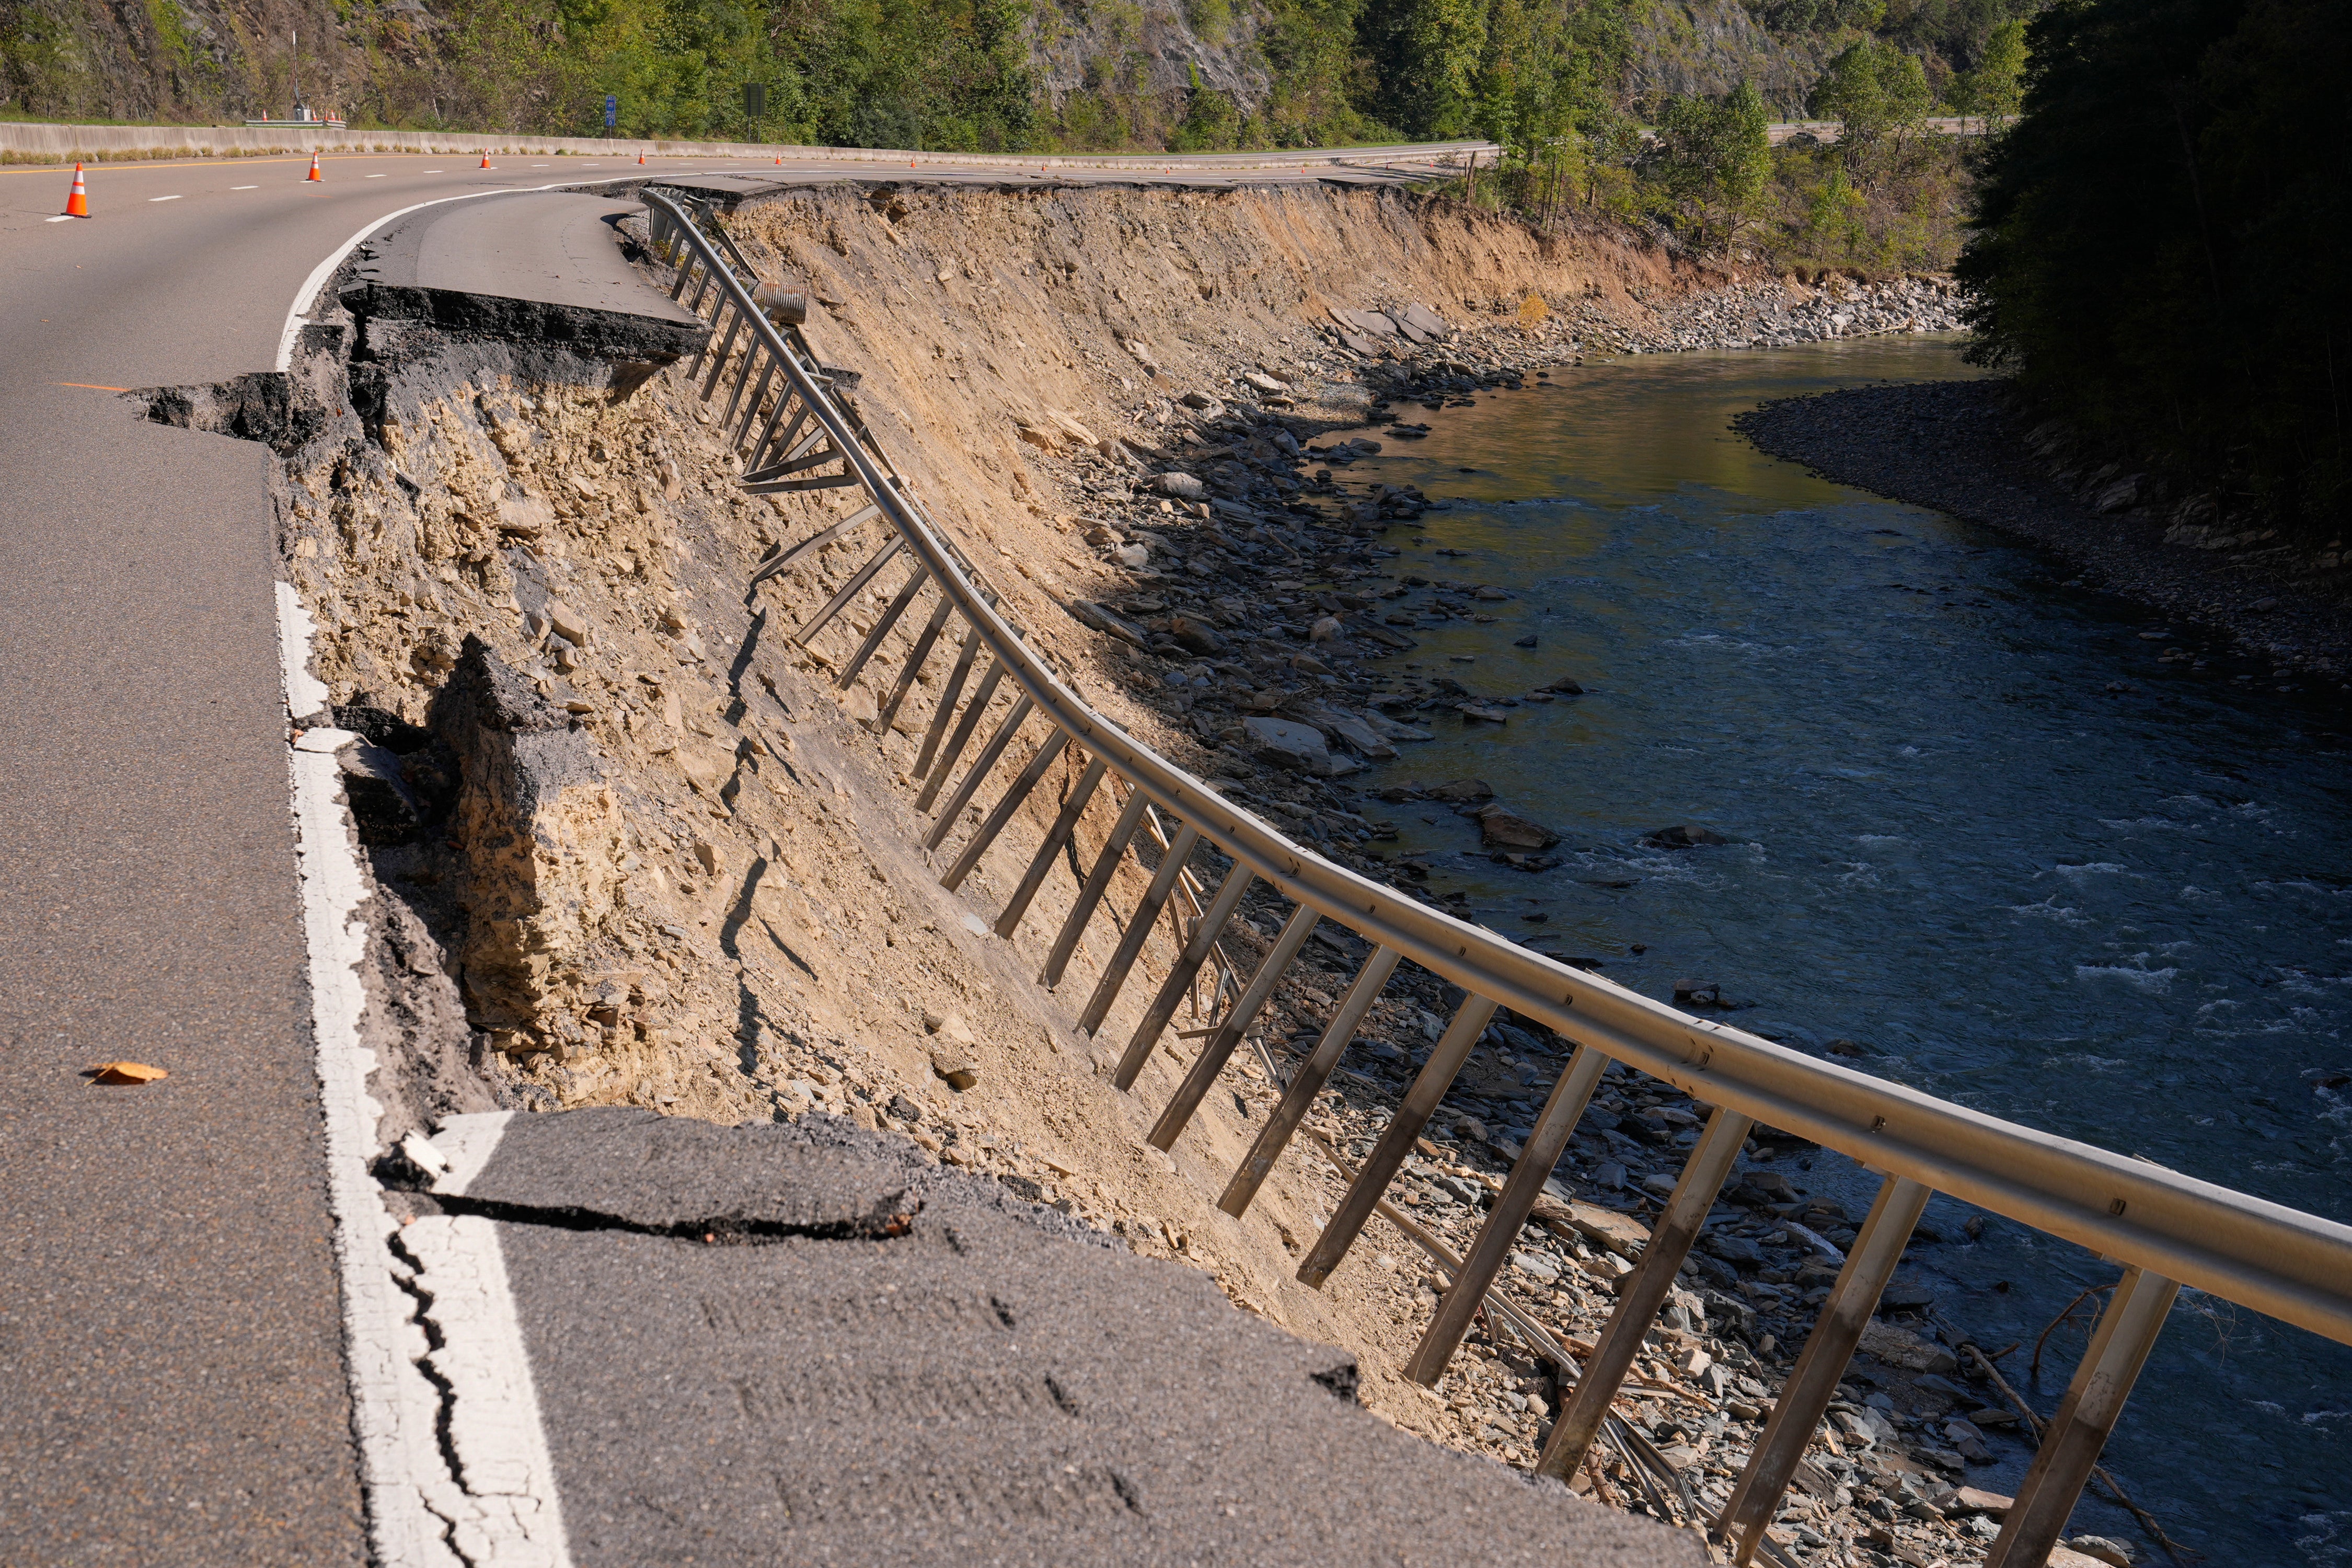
(1288, 744)
(1196, 636)
(1500, 828)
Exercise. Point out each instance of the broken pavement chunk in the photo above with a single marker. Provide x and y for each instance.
(634, 1169)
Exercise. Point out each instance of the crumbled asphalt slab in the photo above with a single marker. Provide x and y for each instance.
(621, 1168)
(995, 1384)
(1963, 448)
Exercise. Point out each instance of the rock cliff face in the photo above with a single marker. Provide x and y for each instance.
(1710, 46)
(212, 60)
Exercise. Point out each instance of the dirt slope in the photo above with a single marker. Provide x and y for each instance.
(632, 845)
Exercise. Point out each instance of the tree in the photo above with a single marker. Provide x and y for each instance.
(1877, 92)
(1991, 88)
(2160, 241)
(1714, 159)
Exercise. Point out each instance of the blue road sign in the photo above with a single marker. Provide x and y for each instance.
(611, 110)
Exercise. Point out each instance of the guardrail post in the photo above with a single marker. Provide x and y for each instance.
(858, 579)
(751, 409)
(1010, 802)
(1065, 942)
(2070, 1444)
(1220, 1047)
(1179, 976)
(1421, 1102)
(1066, 822)
(925, 641)
(1309, 1081)
(944, 764)
(1563, 1109)
(1139, 928)
(1644, 1291)
(889, 617)
(1805, 1396)
(948, 691)
(981, 766)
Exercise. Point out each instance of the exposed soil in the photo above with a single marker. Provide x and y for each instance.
(1965, 448)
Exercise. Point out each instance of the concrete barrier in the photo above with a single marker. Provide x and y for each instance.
(33, 143)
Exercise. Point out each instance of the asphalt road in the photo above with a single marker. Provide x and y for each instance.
(810, 1344)
(172, 1374)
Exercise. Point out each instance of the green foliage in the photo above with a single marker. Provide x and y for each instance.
(1949, 38)
(1321, 78)
(1996, 86)
(1877, 92)
(1713, 160)
(1211, 19)
(1211, 123)
(2160, 238)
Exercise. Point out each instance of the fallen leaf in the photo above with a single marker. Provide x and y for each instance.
(123, 1072)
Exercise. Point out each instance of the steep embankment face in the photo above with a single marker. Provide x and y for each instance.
(632, 844)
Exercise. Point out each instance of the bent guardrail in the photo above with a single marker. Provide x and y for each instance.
(2166, 1230)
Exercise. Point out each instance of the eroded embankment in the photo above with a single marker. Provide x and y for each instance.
(630, 845)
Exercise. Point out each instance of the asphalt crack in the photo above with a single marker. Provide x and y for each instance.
(411, 1284)
(721, 1230)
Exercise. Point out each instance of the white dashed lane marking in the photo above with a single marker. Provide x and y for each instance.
(163, 198)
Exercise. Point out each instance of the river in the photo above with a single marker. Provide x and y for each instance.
(1983, 822)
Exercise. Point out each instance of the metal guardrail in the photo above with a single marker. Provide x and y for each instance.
(2166, 1230)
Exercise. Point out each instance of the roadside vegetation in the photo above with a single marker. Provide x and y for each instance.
(1554, 82)
(2160, 254)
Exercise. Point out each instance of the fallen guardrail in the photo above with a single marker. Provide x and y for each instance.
(2166, 1230)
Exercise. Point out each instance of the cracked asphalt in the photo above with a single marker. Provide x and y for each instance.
(994, 1384)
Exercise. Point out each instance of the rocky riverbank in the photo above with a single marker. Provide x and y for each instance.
(1967, 450)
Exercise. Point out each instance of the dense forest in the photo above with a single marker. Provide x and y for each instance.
(1648, 111)
(2162, 242)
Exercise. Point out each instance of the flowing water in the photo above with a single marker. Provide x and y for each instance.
(1978, 825)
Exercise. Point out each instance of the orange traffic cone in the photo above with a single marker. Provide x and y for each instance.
(780, 160)
(314, 174)
(640, 158)
(485, 157)
(77, 204)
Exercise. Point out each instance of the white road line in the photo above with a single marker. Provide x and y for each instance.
(245, 187)
(61, 217)
(497, 1508)
(428, 171)
(163, 198)
(371, 177)
(394, 1409)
